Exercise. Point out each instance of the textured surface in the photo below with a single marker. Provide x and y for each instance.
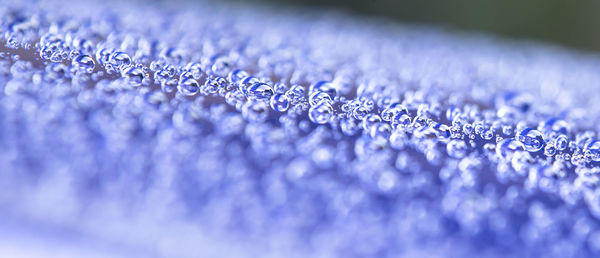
(196, 130)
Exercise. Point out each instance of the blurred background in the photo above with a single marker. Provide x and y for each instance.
(569, 23)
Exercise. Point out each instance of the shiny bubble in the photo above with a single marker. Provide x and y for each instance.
(188, 87)
(320, 113)
(532, 139)
(280, 102)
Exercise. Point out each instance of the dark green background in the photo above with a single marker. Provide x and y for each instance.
(571, 23)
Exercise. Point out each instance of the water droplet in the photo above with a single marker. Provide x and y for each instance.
(188, 87)
(532, 139)
(320, 113)
(84, 63)
(592, 150)
(393, 110)
(318, 97)
(325, 87)
(549, 150)
(561, 143)
(134, 75)
(119, 60)
(260, 91)
(280, 102)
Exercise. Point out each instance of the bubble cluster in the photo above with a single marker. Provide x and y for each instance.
(295, 134)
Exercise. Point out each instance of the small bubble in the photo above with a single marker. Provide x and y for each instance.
(592, 150)
(236, 76)
(359, 112)
(561, 143)
(195, 69)
(280, 102)
(134, 75)
(393, 110)
(296, 93)
(320, 113)
(119, 60)
(246, 82)
(84, 63)
(532, 139)
(325, 87)
(188, 87)
(214, 84)
(487, 134)
(549, 150)
(318, 97)
(260, 91)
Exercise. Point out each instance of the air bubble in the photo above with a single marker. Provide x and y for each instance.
(260, 91)
(280, 102)
(188, 87)
(84, 63)
(320, 113)
(532, 139)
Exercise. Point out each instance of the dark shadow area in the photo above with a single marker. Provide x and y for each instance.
(569, 23)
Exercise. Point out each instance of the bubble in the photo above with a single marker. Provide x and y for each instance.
(507, 130)
(260, 91)
(561, 143)
(134, 75)
(255, 111)
(161, 76)
(46, 53)
(320, 113)
(487, 134)
(188, 87)
(520, 161)
(592, 150)
(318, 97)
(401, 121)
(295, 93)
(532, 139)
(280, 87)
(442, 130)
(214, 84)
(195, 69)
(221, 66)
(84, 63)
(324, 87)
(103, 55)
(359, 112)
(57, 72)
(280, 102)
(119, 60)
(246, 82)
(237, 75)
(419, 122)
(393, 110)
(549, 150)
